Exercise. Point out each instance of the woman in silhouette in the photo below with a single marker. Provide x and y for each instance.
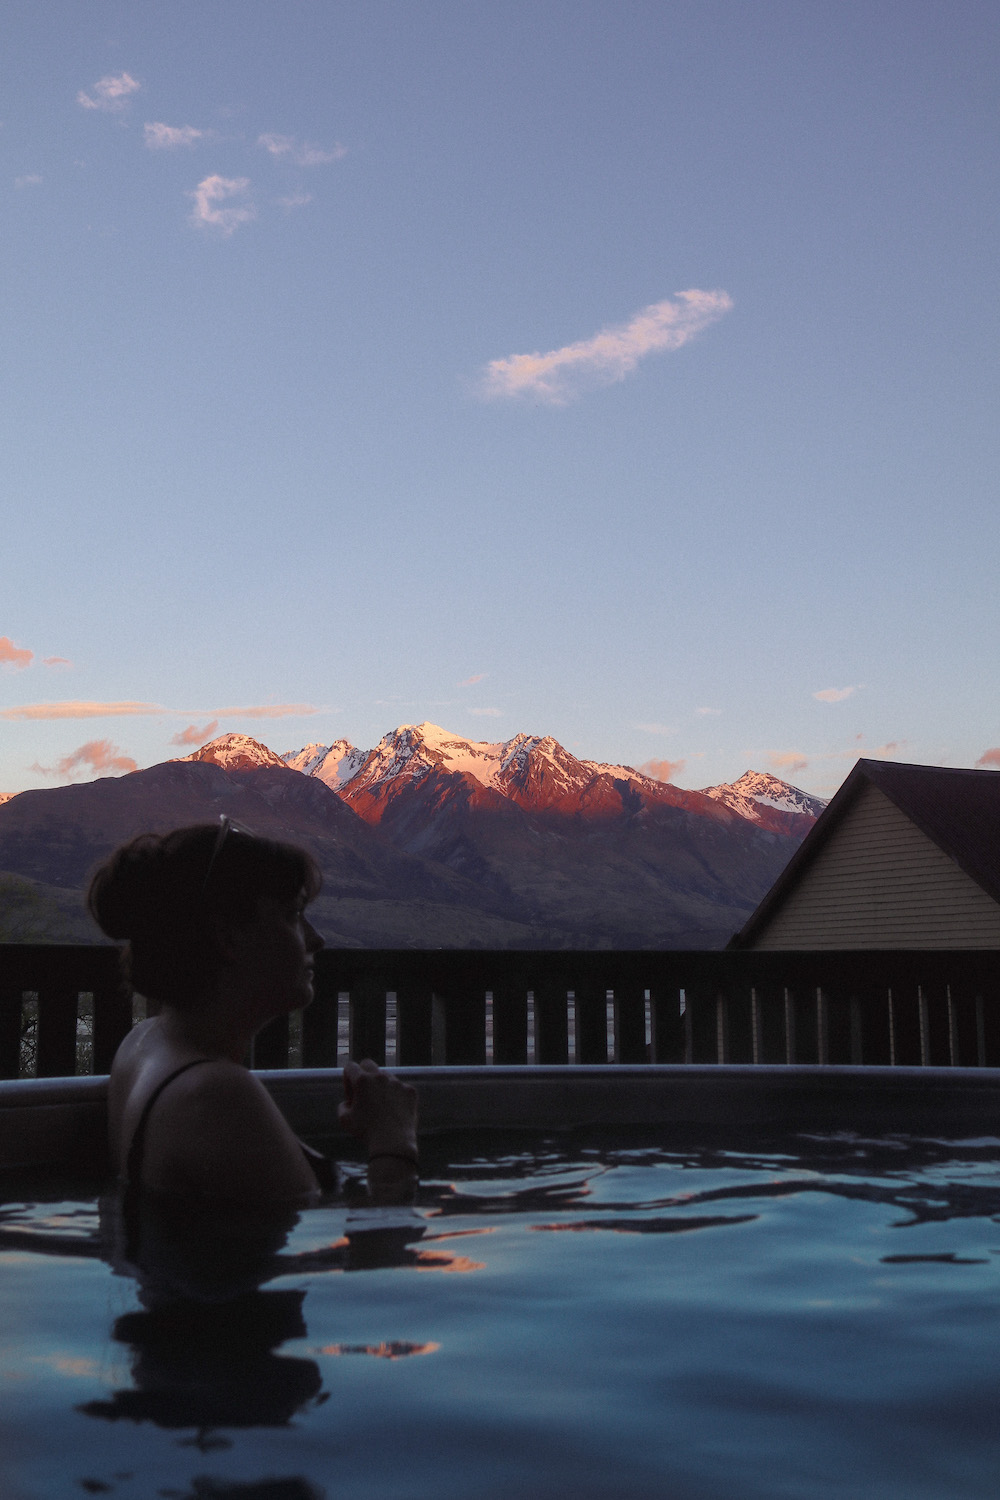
(219, 940)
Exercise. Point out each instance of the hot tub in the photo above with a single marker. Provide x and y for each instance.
(635, 1282)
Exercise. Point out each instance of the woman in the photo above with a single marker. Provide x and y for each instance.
(219, 940)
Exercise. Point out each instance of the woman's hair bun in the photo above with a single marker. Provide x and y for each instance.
(124, 893)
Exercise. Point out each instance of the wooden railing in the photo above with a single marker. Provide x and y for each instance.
(62, 1009)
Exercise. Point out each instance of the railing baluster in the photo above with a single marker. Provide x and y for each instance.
(925, 1039)
(10, 1032)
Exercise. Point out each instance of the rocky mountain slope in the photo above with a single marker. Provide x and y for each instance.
(430, 840)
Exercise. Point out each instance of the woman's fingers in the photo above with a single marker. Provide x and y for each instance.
(377, 1106)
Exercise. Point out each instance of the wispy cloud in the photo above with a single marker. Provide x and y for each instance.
(192, 735)
(990, 758)
(302, 153)
(111, 93)
(704, 712)
(834, 695)
(561, 374)
(295, 200)
(267, 711)
(95, 756)
(80, 710)
(56, 661)
(160, 137)
(213, 191)
(662, 770)
(476, 677)
(788, 760)
(93, 710)
(654, 728)
(30, 179)
(885, 752)
(14, 656)
(487, 713)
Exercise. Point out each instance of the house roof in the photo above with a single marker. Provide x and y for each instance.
(958, 810)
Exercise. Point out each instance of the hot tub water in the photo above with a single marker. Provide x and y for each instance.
(562, 1316)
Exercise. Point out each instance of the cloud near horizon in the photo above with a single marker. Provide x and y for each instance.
(215, 190)
(160, 137)
(111, 93)
(654, 728)
(56, 661)
(95, 755)
(487, 713)
(834, 695)
(84, 710)
(303, 154)
(561, 374)
(788, 760)
(662, 770)
(990, 758)
(17, 657)
(476, 677)
(78, 710)
(192, 735)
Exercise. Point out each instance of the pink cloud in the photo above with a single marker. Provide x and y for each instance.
(77, 710)
(304, 153)
(14, 656)
(476, 677)
(487, 713)
(662, 770)
(990, 758)
(160, 137)
(56, 661)
(111, 93)
(192, 735)
(215, 190)
(95, 755)
(267, 711)
(559, 375)
(788, 760)
(834, 695)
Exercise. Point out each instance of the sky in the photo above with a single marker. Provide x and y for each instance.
(613, 370)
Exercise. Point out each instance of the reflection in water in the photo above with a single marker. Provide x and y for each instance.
(202, 1366)
(393, 1349)
(204, 1344)
(205, 1488)
(654, 1226)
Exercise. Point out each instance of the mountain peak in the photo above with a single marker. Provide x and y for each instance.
(756, 793)
(236, 752)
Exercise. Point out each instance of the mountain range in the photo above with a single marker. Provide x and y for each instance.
(433, 840)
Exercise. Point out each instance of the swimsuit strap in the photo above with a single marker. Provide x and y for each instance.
(137, 1147)
(133, 1162)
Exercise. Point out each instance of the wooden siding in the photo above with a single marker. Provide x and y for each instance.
(879, 882)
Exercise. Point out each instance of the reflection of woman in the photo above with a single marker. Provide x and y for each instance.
(219, 940)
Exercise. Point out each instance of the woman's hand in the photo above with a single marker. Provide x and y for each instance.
(380, 1110)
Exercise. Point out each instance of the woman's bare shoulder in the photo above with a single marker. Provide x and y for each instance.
(219, 1131)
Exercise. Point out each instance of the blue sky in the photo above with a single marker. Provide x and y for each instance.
(621, 372)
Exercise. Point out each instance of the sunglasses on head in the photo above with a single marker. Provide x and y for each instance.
(227, 825)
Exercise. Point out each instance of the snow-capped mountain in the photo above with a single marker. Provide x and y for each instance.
(334, 764)
(433, 840)
(534, 772)
(6, 796)
(235, 752)
(755, 792)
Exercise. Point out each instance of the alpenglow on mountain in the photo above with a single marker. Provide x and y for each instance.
(530, 770)
(431, 840)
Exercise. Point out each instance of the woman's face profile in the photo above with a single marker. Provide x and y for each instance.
(275, 952)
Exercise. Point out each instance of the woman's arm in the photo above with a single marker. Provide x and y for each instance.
(382, 1111)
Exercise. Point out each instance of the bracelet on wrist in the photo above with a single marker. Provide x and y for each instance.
(410, 1157)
